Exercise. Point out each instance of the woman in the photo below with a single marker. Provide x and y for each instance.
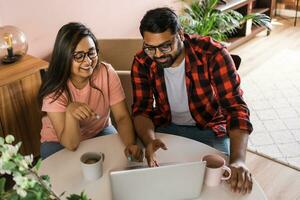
(78, 93)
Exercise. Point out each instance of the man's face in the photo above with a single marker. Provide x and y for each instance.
(164, 48)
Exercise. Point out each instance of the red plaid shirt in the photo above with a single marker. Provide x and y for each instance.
(213, 88)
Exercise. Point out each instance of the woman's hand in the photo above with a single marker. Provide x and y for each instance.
(80, 111)
(134, 152)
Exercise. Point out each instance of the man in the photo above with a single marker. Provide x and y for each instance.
(196, 89)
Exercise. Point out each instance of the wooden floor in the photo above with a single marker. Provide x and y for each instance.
(258, 50)
(277, 180)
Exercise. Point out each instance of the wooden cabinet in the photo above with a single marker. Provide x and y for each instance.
(20, 113)
(245, 7)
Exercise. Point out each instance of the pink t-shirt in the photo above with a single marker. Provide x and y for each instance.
(105, 79)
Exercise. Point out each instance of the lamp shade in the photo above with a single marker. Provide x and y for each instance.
(13, 44)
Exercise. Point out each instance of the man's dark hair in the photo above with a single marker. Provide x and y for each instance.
(159, 20)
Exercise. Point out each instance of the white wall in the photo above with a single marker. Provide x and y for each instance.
(40, 19)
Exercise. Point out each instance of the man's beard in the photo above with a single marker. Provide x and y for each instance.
(168, 63)
(170, 59)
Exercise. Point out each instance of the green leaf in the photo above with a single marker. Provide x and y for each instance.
(74, 197)
(31, 195)
(12, 195)
(202, 17)
(9, 165)
(82, 196)
(38, 164)
(2, 186)
(45, 178)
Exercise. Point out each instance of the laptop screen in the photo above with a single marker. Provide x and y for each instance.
(171, 181)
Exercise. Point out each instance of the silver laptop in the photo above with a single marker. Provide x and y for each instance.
(168, 182)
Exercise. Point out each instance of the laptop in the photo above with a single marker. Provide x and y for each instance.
(167, 182)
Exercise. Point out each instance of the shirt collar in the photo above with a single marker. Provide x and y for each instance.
(190, 54)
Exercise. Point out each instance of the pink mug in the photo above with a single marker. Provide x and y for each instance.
(215, 168)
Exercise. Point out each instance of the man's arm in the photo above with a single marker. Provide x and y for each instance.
(238, 145)
(144, 128)
(226, 82)
(241, 180)
(142, 102)
(142, 110)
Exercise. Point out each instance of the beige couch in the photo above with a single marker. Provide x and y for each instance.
(120, 53)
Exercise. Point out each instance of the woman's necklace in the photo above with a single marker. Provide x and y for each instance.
(79, 84)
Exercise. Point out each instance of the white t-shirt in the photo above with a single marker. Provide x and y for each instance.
(177, 95)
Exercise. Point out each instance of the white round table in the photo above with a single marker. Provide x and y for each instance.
(65, 173)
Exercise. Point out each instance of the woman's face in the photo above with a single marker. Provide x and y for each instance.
(85, 58)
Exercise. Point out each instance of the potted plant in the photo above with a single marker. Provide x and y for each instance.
(28, 185)
(202, 17)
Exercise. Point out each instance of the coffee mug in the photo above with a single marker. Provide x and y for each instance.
(92, 165)
(215, 168)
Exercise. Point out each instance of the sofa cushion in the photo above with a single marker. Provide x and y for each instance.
(119, 52)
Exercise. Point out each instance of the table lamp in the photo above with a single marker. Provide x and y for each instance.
(13, 44)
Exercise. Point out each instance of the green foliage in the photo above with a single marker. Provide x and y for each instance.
(28, 184)
(38, 165)
(201, 17)
(2, 186)
(82, 196)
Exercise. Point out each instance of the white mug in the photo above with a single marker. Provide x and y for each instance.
(215, 168)
(92, 165)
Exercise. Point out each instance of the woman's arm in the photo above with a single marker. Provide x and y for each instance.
(66, 124)
(126, 130)
(66, 128)
(124, 123)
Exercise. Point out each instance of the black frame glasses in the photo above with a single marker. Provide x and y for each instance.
(79, 56)
(164, 48)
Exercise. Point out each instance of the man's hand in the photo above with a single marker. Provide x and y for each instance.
(134, 152)
(241, 179)
(153, 146)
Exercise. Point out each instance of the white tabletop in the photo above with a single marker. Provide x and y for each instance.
(65, 173)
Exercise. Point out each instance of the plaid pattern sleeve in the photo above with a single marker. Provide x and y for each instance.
(226, 83)
(141, 88)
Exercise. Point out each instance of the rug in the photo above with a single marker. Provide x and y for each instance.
(272, 92)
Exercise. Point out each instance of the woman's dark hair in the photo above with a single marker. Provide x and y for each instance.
(59, 71)
(159, 20)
